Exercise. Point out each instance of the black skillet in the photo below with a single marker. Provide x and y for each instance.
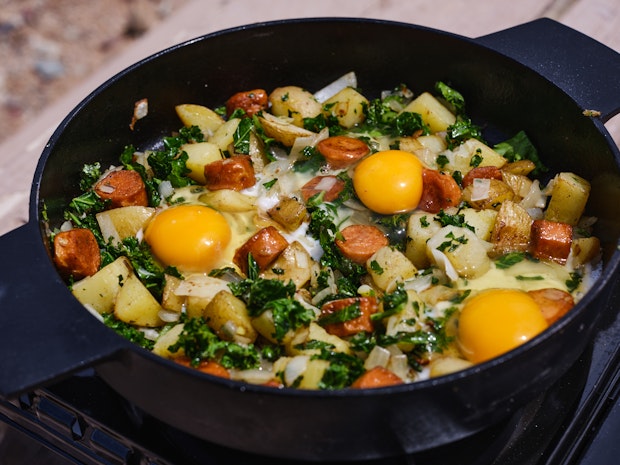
(539, 77)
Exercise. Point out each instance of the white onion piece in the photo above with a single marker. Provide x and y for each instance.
(295, 368)
(165, 189)
(445, 264)
(535, 198)
(399, 366)
(168, 316)
(378, 357)
(347, 80)
(66, 226)
(254, 376)
(481, 189)
(419, 283)
(150, 334)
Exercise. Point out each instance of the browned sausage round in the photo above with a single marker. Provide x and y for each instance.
(76, 253)
(360, 241)
(123, 188)
(342, 151)
(482, 172)
(367, 306)
(236, 173)
(265, 246)
(331, 185)
(553, 303)
(250, 101)
(439, 191)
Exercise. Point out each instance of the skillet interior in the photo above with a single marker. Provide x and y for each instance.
(502, 96)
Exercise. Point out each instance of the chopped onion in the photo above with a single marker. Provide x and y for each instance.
(168, 316)
(445, 264)
(150, 334)
(106, 189)
(348, 80)
(399, 365)
(165, 189)
(255, 376)
(295, 368)
(378, 357)
(481, 189)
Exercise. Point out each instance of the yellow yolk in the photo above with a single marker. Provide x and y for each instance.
(190, 237)
(496, 321)
(389, 182)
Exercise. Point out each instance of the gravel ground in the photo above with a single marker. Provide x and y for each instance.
(47, 46)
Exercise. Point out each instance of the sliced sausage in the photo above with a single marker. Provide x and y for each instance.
(265, 246)
(553, 303)
(250, 101)
(342, 151)
(367, 305)
(551, 240)
(439, 191)
(377, 377)
(331, 185)
(76, 253)
(236, 173)
(359, 242)
(210, 367)
(123, 188)
(481, 172)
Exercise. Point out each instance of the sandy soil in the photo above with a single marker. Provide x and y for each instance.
(47, 46)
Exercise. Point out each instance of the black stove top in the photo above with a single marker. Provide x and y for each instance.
(82, 421)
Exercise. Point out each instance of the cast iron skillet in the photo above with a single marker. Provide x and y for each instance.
(557, 74)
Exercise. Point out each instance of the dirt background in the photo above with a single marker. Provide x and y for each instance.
(47, 46)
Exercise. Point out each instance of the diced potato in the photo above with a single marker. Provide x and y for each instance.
(100, 290)
(294, 102)
(311, 377)
(585, 250)
(520, 167)
(315, 332)
(569, 196)
(407, 320)
(199, 155)
(224, 135)
(433, 113)
(462, 156)
(197, 115)
(293, 264)
(170, 299)
(420, 228)
(465, 251)
(166, 339)
(483, 221)
(264, 325)
(136, 305)
(511, 232)
(489, 156)
(118, 223)
(289, 213)
(388, 266)
(519, 184)
(227, 200)
(347, 106)
(446, 365)
(282, 130)
(228, 316)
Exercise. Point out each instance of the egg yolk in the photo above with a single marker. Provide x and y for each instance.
(389, 182)
(189, 237)
(496, 321)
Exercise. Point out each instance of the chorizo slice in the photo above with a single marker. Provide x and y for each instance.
(236, 173)
(551, 240)
(359, 242)
(553, 303)
(76, 253)
(377, 377)
(331, 185)
(265, 246)
(439, 191)
(481, 172)
(250, 101)
(123, 188)
(367, 306)
(210, 367)
(342, 151)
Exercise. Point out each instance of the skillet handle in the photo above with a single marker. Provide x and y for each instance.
(585, 69)
(45, 334)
